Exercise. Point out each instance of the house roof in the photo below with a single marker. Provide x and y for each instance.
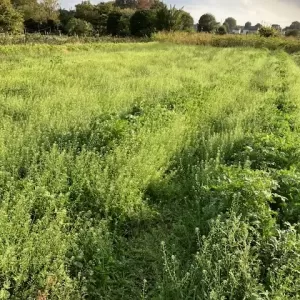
(252, 28)
(238, 27)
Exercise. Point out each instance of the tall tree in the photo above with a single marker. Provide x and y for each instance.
(186, 21)
(231, 23)
(248, 25)
(64, 17)
(30, 9)
(118, 22)
(97, 15)
(258, 26)
(207, 23)
(142, 23)
(86, 11)
(10, 19)
(171, 19)
(113, 22)
(49, 10)
(295, 25)
(103, 9)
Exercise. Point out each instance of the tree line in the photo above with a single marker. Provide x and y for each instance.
(117, 18)
(293, 29)
(208, 23)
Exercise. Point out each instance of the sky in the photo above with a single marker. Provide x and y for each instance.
(266, 12)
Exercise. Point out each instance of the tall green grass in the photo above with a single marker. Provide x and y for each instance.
(148, 171)
(36, 38)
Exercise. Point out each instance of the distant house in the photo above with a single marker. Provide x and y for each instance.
(244, 30)
(250, 30)
(237, 30)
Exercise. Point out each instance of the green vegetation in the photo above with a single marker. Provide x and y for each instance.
(34, 39)
(139, 18)
(290, 45)
(149, 171)
(10, 19)
(207, 23)
(268, 32)
(116, 18)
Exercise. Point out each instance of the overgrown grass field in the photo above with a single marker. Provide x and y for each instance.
(288, 44)
(149, 171)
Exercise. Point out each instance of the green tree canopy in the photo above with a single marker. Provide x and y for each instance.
(295, 25)
(30, 9)
(231, 23)
(222, 30)
(10, 19)
(79, 27)
(126, 3)
(187, 21)
(97, 15)
(118, 22)
(293, 32)
(113, 22)
(207, 23)
(248, 25)
(49, 10)
(142, 23)
(173, 19)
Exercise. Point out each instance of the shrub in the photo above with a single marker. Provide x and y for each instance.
(222, 30)
(268, 32)
(79, 27)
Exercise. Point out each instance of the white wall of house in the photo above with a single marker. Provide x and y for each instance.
(236, 31)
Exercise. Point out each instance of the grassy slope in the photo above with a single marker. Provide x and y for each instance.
(107, 151)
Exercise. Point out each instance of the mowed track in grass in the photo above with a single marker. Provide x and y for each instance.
(107, 150)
